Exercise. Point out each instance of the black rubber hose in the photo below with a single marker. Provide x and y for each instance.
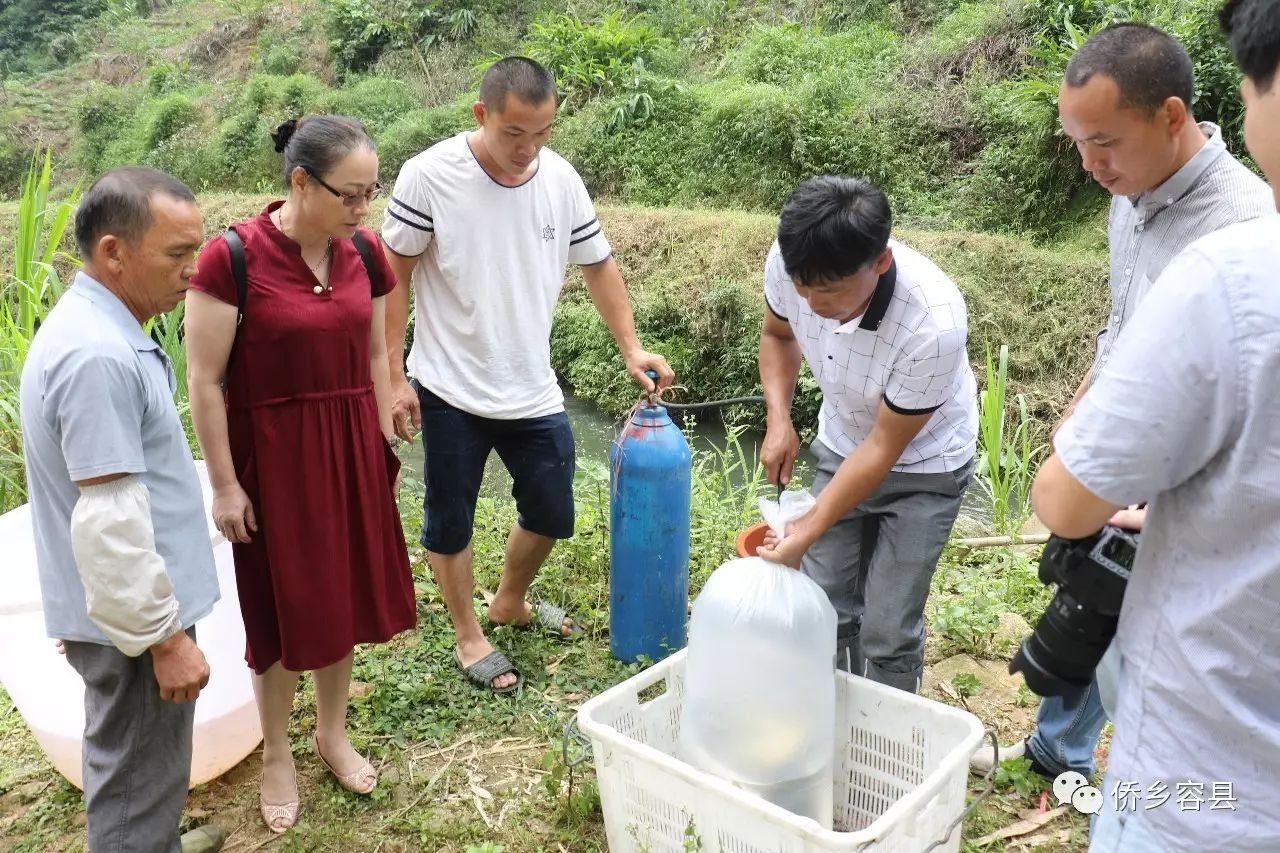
(710, 404)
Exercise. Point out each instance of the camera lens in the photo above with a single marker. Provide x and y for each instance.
(1061, 654)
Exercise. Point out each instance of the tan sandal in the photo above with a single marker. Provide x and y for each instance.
(350, 781)
(279, 819)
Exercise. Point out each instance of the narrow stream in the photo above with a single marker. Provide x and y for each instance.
(594, 431)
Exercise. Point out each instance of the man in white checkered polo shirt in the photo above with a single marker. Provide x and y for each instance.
(884, 332)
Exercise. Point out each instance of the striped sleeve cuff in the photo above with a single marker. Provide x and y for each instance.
(583, 233)
(412, 217)
(588, 245)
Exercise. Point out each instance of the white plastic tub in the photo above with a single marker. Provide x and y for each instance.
(901, 767)
(50, 695)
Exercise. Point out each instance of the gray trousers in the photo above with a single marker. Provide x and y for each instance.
(876, 563)
(137, 752)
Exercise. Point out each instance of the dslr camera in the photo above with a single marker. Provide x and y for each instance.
(1091, 574)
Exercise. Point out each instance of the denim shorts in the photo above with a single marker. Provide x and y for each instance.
(538, 452)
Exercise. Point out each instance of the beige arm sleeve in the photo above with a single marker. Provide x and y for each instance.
(127, 589)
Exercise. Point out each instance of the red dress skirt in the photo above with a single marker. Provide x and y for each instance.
(327, 568)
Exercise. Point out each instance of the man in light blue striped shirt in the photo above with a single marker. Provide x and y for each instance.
(1125, 104)
(1186, 414)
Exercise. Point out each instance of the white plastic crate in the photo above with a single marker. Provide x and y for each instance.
(900, 773)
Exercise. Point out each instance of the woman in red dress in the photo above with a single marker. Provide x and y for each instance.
(293, 411)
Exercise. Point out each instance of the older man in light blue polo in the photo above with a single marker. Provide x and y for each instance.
(122, 545)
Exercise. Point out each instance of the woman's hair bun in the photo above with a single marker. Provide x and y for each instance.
(283, 133)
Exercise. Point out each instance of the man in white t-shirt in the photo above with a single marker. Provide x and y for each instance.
(884, 332)
(482, 227)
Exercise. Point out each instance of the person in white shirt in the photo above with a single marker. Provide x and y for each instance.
(1125, 102)
(482, 227)
(1185, 414)
(884, 332)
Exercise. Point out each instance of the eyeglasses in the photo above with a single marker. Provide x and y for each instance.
(349, 199)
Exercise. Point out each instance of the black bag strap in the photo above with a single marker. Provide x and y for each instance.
(239, 272)
(371, 267)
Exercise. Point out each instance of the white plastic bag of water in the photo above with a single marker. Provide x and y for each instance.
(760, 686)
(812, 796)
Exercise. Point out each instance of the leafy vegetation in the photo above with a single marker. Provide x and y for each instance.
(29, 27)
(26, 294)
(973, 589)
(966, 684)
(1008, 457)
(720, 103)
(590, 60)
(1016, 775)
(362, 30)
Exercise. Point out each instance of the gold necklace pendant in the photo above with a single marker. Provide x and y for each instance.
(321, 289)
(315, 268)
(277, 219)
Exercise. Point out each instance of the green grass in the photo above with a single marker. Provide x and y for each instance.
(462, 768)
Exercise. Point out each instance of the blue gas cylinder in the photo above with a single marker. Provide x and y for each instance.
(650, 482)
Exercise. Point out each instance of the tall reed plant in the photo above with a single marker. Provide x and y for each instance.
(1008, 454)
(728, 482)
(168, 330)
(27, 293)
